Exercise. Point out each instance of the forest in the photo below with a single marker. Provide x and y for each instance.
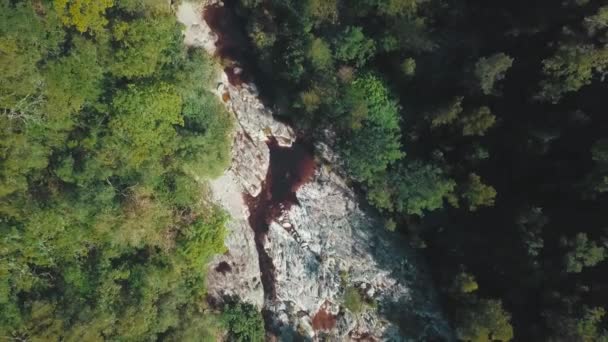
(108, 132)
(475, 128)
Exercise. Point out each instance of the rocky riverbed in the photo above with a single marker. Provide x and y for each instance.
(299, 239)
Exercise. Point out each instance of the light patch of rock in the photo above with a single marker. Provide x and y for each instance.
(243, 280)
(197, 33)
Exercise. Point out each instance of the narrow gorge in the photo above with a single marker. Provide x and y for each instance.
(299, 240)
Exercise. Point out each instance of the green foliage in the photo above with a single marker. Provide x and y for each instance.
(447, 113)
(145, 118)
(390, 225)
(320, 54)
(25, 39)
(483, 321)
(145, 45)
(397, 7)
(311, 100)
(579, 324)
(582, 253)
(368, 151)
(391, 7)
(354, 47)
(352, 300)
(477, 122)
(596, 181)
(105, 232)
(85, 15)
(478, 194)
(204, 140)
(597, 22)
(260, 37)
(145, 7)
(490, 70)
(323, 10)
(73, 81)
(531, 223)
(243, 322)
(413, 188)
(571, 68)
(444, 127)
(464, 283)
(587, 327)
(408, 67)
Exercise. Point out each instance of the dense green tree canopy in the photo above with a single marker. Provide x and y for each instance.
(105, 231)
(413, 188)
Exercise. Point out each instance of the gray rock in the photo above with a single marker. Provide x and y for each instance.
(243, 279)
(348, 247)
(319, 248)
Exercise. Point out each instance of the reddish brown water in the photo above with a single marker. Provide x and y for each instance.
(232, 44)
(290, 168)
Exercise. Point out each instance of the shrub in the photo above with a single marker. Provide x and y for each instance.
(243, 321)
(352, 300)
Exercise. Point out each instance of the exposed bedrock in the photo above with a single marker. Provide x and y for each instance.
(299, 239)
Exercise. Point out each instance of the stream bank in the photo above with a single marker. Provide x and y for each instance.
(299, 238)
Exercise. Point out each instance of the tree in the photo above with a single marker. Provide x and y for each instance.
(483, 321)
(478, 194)
(596, 181)
(353, 46)
(477, 122)
(397, 7)
(571, 68)
(530, 224)
(85, 15)
(577, 323)
(72, 82)
(104, 227)
(582, 253)
(447, 113)
(243, 321)
(369, 150)
(596, 22)
(408, 67)
(392, 7)
(262, 38)
(26, 38)
(490, 70)
(145, 119)
(310, 99)
(464, 283)
(323, 10)
(145, 46)
(320, 54)
(413, 188)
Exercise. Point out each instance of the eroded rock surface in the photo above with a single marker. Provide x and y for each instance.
(340, 246)
(319, 248)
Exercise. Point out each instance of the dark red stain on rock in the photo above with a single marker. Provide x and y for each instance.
(290, 168)
(323, 320)
(223, 268)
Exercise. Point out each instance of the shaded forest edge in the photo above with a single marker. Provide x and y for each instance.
(476, 129)
(108, 133)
